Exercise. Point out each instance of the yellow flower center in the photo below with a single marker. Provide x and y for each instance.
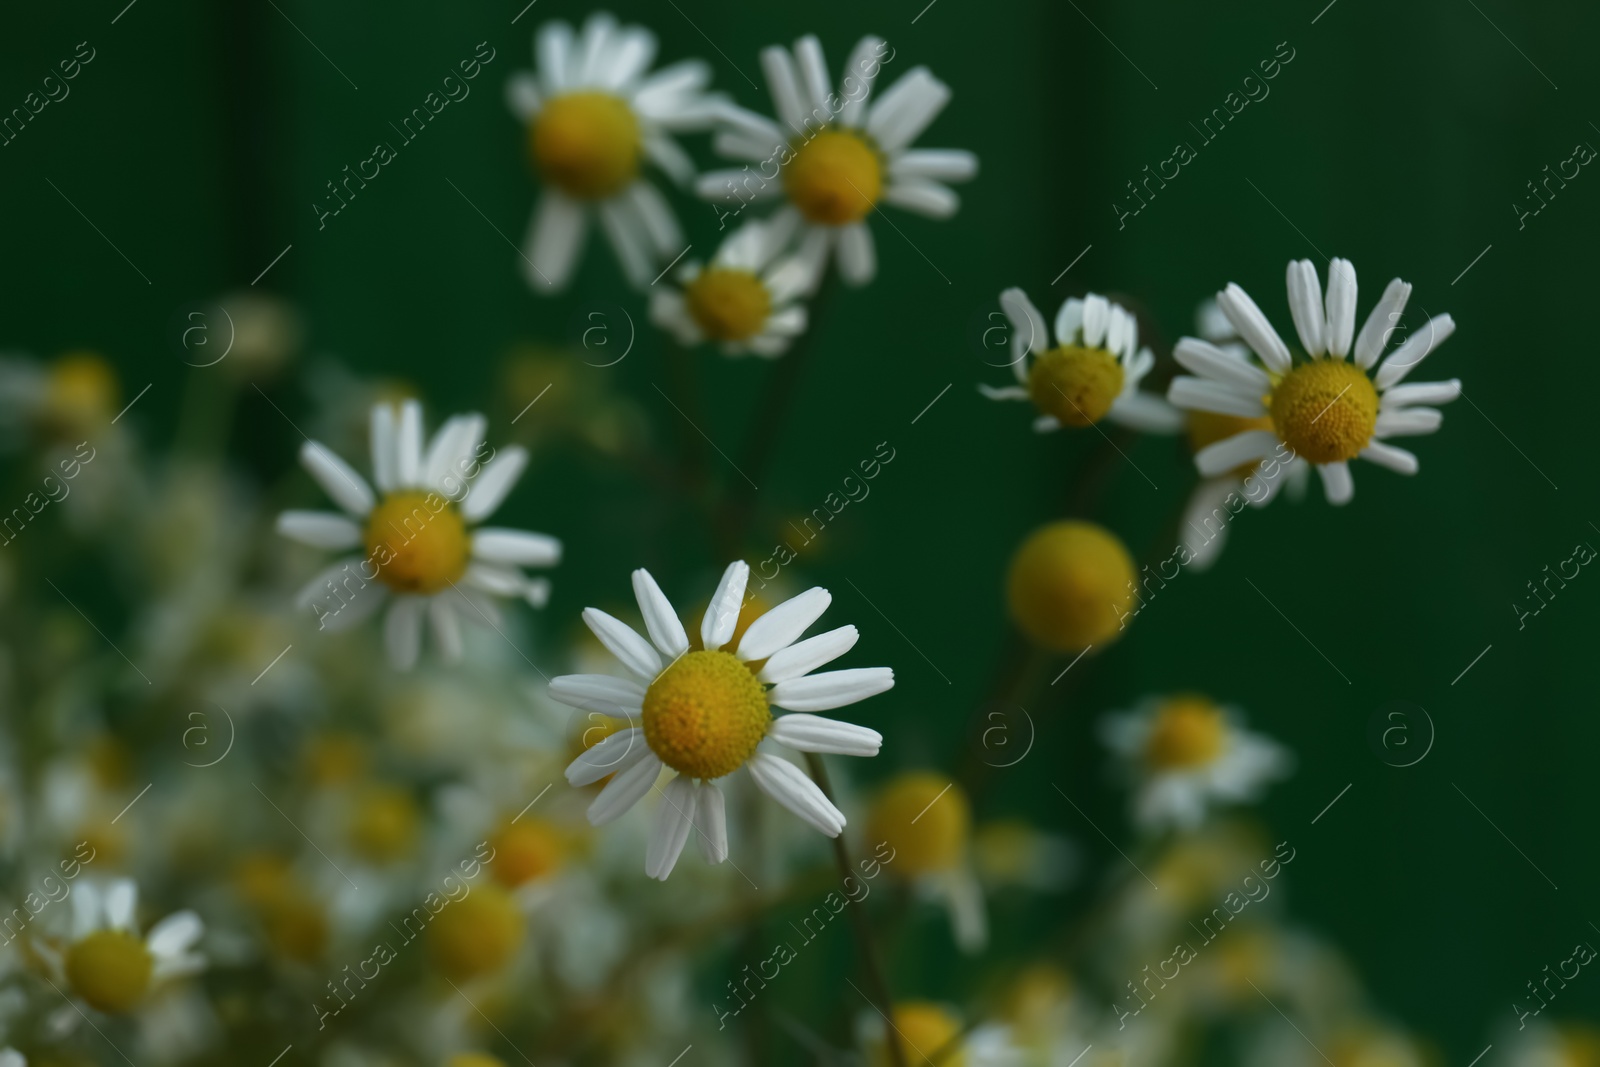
(587, 143)
(925, 819)
(1077, 385)
(81, 392)
(1325, 410)
(1070, 585)
(296, 927)
(1188, 732)
(924, 1031)
(477, 934)
(525, 850)
(110, 969)
(729, 305)
(384, 825)
(417, 542)
(1208, 427)
(705, 714)
(834, 178)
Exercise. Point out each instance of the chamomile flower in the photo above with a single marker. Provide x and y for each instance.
(1327, 409)
(706, 713)
(421, 550)
(833, 157)
(108, 965)
(595, 117)
(1185, 754)
(1091, 373)
(746, 299)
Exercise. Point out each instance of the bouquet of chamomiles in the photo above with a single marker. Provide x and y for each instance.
(304, 771)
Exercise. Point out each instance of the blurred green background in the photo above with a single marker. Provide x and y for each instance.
(1399, 137)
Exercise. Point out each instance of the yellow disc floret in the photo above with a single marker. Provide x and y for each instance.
(1188, 731)
(927, 1034)
(835, 178)
(417, 542)
(1325, 410)
(705, 714)
(925, 818)
(729, 305)
(110, 969)
(477, 934)
(1075, 384)
(1070, 584)
(587, 144)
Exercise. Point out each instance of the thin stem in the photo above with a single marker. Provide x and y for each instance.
(871, 963)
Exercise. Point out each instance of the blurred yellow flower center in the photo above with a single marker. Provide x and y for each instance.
(296, 927)
(729, 305)
(926, 1032)
(1325, 410)
(82, 391)
(384, 825)
(705, 714)
(477, 934)
(110, 969)
(1188, 732)
(415, 548)
(587, 143)
(925, 819)
(1070, 584)
(835, 178)
(1077, 385)
(525, 850)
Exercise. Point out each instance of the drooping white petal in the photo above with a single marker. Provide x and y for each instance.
(1231, 452)
(1341, 306)
(782, 626)
(634, 652)
(629, 238)
(1025, 320)
(494, 483)
(711, 823)
(554, 239)
(813, 733)
(337, 478)
(1398, 460)
(1381, 322)
(1336, 482)
(522, 548)
(1209, 361)
(319, 529)
(1417, 347)
(656, 219)
(381, 435)
(605, 693)
(402, 631)
(722, 614)
(1254, 328)
(858, 256)
(662, 622)
(831, 689)
(1206, 520)
(408, 445)
(446, 623)
(626, 788)
(1305, 307)
(674, 821)
(806, 656)
(789, 786)
(612, 753)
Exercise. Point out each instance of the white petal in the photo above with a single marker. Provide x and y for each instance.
(1417, 347)
(1231, 452)
(86, 910)
(858, 257)
(813, 733)
(1341, 306)
(319, 529)
(722, 614)
(923, 197)
(711, 823)
(494, 580)
(1408, 422)
(381, 435)
(352, 600)
(782, 626)
(1305, 306)
(1209, 361)
(789, 786)
(337, 478)
(402, 631)
(1146, 413)
(446, 628)
(175, 935)
(553, 48)
(408, 445)
(673, 97)
(665, 628)
(632, 50)
(625, 790)
(1396, 459)
(674, 820)
(523, 96)
(831, 689)
(1201, 394)
(808, 655)
(665, 153)
(1385, 316)
(1205, 521)
(784, 82)
(629, 239)
(1336, 482)
(451, 453)
(494, 483)
(122, 904)
(813, 77)
(969, 923)
(939, 164)
(1004, 392)
(906, 108)
(1096, 319)
(611, 754)
(594, 49)
(860, 71)
(1420, 393)
(523, 548)
(605, 693)
(624, 642)
(656, 217)
(555, 236)
(1253, 328)
(1069, 322)
(1025, 320)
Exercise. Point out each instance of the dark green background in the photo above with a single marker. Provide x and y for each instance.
(1399, 137)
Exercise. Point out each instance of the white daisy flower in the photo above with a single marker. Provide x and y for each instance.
(1185, 754)
(1091, 373)
(421, 549)
(747, 300)
(1327, 409)
(833, 158)
(594, 118)
(105, 961)
(706, 713)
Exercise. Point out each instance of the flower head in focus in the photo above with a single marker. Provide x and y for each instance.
(595, 117)
(1340, 403)
(421, 550)
(745, 300)
(706, 712)
(833, 157)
